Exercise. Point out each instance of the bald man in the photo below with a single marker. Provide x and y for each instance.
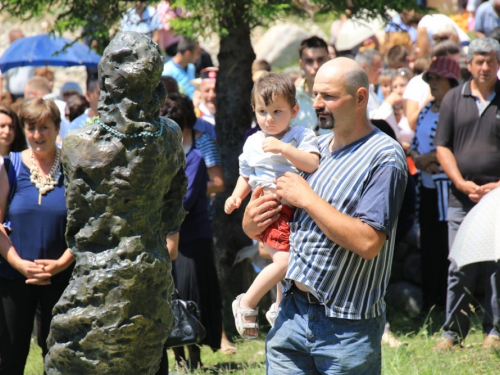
(332, 314)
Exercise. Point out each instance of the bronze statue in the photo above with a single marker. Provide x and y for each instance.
(124, 181)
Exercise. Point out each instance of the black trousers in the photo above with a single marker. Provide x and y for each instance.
(18, 303)
(434, 250)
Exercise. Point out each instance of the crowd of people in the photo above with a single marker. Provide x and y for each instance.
(342, 162)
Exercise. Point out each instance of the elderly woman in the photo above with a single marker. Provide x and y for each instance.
(442, 75)
(11, 135)
(35, 261)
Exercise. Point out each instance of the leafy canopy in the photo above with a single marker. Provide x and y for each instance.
(95, 18)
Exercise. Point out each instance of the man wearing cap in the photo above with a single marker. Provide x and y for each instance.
(181, 66)
(468, 149)
(208, 95)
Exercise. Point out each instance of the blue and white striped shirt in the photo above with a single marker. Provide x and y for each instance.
(365, 179)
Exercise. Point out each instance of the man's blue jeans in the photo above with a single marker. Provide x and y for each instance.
(305, 341)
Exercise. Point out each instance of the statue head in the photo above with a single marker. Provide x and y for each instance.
(130, 78)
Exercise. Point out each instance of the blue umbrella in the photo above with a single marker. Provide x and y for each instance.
(47, 49)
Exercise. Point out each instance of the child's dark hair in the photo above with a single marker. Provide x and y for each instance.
(272, 85)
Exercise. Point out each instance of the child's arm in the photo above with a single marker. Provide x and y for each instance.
(303, 160)
(240, 191)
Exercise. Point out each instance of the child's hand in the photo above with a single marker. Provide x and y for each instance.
(271, 144)
(232, 203)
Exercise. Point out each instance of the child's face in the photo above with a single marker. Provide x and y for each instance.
(399, 84)
(274, 118)
(385, 86)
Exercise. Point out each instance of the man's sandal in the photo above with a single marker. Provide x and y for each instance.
(241, 325)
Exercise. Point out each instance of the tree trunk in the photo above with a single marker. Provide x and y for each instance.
(233, 118)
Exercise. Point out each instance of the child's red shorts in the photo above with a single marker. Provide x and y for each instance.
(277, 235)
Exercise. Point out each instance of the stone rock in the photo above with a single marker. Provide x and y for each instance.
(280, 45)
(405, 296)
(123, 196)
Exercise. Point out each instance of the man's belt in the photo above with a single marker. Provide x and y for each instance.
(309, 297)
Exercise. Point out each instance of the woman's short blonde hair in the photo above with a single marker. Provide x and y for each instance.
(36, 111)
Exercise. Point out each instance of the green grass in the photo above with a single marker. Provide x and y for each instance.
(415, 357)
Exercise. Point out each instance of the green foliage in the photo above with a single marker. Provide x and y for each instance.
(217, 16)
(93, 18)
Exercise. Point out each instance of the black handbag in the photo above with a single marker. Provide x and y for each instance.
(187, 327)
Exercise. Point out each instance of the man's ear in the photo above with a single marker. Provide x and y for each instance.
(362, 95)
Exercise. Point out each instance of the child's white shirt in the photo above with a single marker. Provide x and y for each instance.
(261, 168)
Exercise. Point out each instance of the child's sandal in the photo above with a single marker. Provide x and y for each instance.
(241, 325)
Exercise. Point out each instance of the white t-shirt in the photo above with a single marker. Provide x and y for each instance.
(261, 168)
(417, 90)
(381, 111)
(434, 22)
(405, 132)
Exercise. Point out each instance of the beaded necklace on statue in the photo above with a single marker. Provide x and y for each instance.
(116, 133)
(45, 183)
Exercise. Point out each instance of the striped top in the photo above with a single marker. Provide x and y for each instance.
(365, 179)
(441, 181)
(209, 149)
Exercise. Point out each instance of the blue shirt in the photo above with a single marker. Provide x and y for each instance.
(397, 25)
(145, 24)
(366, 180)
(181, 75)
(486, 18)
(196, 224)
(205, 127)
(37, 230)
(209, 150)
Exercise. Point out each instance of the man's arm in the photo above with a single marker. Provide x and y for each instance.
(261, 211)
(450, 167)
(346, 231)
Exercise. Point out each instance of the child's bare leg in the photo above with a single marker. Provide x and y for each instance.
(279, 294)
(265, 280)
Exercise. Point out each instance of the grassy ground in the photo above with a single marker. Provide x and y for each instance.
(415, 357)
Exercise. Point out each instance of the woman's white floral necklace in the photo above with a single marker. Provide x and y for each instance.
(45, 183)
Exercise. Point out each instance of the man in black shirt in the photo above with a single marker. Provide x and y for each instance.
(468, 149)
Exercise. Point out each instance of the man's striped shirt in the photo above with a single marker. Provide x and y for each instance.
(365, 179)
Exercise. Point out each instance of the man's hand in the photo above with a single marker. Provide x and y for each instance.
(232, 203)
(261, 211)
(483, 190)
(293, 189)
(470, 189)
(271, 144)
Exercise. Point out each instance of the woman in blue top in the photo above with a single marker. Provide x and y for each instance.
(35, 261)
(196, 276)
(442, 76)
